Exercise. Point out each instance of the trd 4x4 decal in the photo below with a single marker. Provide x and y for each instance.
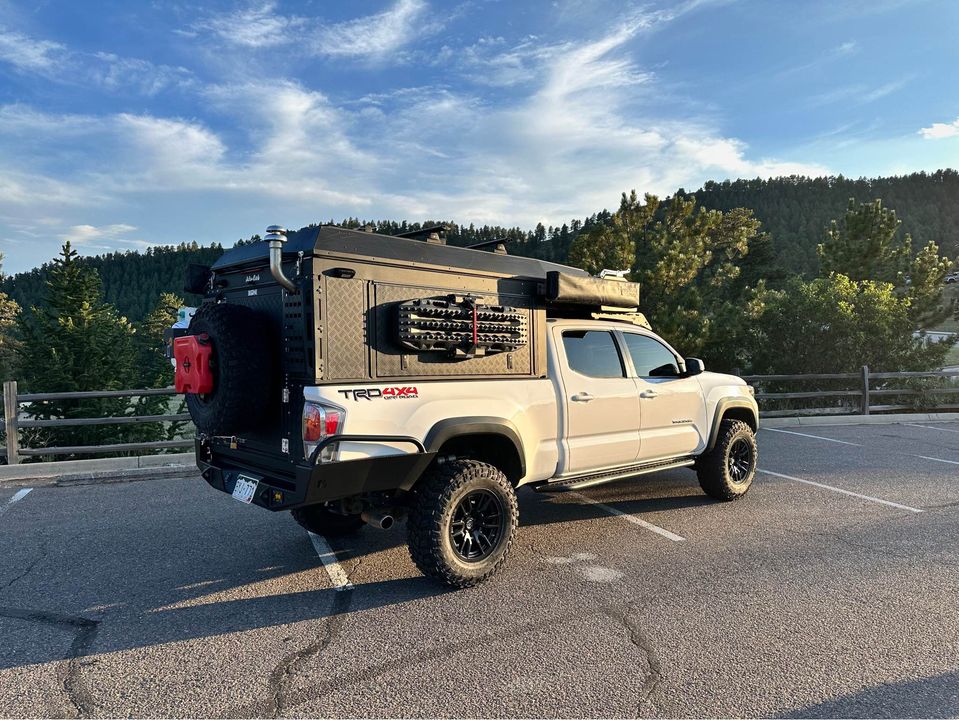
(388, 393)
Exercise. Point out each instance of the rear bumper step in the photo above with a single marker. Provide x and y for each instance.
(584, 481)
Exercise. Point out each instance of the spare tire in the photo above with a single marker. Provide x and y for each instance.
(243, 363)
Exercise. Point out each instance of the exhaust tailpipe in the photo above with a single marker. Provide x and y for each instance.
(378, 520)
(276, 236)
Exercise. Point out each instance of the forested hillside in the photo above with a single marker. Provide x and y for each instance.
(794, 212)
(132, 281)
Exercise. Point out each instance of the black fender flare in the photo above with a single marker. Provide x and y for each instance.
(476, 425)
(724, 405)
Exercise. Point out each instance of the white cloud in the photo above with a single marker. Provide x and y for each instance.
(85, 234)
(27, 53)
(857, 94)
(113, 72)
(257, 26)
(938, 131)
(374, 36)
(103, 70)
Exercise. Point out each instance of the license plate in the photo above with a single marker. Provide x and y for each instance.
(245, 488)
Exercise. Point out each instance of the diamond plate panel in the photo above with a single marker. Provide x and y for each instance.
(347, 356)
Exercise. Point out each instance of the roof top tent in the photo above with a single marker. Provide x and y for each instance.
(380, 308)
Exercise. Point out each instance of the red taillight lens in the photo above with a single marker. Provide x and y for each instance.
(320, 422)
(313, 424)
(332, 422)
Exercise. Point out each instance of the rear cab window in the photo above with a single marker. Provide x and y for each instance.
(593, 353)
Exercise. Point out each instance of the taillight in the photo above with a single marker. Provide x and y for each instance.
(320, 422)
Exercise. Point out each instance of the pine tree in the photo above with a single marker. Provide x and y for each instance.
(8, 344)
(865, 245)
(75, 341)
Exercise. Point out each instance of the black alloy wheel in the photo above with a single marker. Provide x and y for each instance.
(740, 461)
(476, 525)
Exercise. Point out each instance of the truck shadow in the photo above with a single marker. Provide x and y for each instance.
(195, 584)
(930, 697)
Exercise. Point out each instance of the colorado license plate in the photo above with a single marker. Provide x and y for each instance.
(245, 488)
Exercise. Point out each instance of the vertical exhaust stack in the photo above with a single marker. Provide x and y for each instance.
(276, 236)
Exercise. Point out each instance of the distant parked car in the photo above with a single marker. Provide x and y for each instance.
(952, 277)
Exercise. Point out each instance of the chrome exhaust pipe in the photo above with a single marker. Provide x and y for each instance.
(382, 521)
(276, 236)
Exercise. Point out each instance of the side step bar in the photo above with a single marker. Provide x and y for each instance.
(584, 481)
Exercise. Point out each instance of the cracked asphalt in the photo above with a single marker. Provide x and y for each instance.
(164, 598)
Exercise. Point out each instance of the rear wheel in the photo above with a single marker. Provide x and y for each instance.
(462, 522)
(320, 520)
(727, 471)
(243, 367)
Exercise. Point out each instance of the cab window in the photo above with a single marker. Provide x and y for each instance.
(593, 353)
(650, 357)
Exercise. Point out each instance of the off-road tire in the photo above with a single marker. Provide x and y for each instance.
(713, 468)
(243, 364)
(320, 520)
(436, 497)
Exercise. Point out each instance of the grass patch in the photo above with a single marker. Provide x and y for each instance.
(952, 358)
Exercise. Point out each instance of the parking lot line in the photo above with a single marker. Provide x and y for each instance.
(932, 427)
(17, 496)
(817, 437)
(935, 459)
(844, 492)
(630, 518)
(336, 572)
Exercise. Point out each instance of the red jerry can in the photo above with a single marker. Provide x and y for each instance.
(193, 372)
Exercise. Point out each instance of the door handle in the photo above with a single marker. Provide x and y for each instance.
(648, 394)
(582, 397)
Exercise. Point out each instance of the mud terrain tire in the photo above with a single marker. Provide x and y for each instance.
(726, 472)
(243, 364)
(456, 499)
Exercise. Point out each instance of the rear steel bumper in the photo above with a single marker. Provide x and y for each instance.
(285, 484)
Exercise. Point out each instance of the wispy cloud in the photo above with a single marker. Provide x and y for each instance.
(258, 26)
(939, 131)
(108, 71)
(858, 94)
(374, 36)
(85, 234)
(27, 53)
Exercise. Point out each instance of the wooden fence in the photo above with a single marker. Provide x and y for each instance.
(13, 423)
(868, 386)
(859, 395)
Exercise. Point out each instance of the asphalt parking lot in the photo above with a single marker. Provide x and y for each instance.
(832, 589)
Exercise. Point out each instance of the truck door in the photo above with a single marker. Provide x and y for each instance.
(672, 408)
(602, 409)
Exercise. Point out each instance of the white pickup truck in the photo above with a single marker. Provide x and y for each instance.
(611, 400)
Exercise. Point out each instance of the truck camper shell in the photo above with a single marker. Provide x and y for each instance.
(372, 307)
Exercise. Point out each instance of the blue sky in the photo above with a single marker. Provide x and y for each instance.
(130, 123)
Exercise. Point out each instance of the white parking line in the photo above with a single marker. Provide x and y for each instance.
(926, 457)
(17, 496)
(816, 437)
(338, 576)
(932, 427)
(844, 492)
(630, 518)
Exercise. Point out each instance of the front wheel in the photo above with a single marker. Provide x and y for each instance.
(727, 471)
(462, 522)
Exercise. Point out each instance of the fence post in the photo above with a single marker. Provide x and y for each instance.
(10, 412)
(865, 389)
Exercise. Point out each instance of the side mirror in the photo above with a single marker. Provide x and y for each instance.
(694, 366)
